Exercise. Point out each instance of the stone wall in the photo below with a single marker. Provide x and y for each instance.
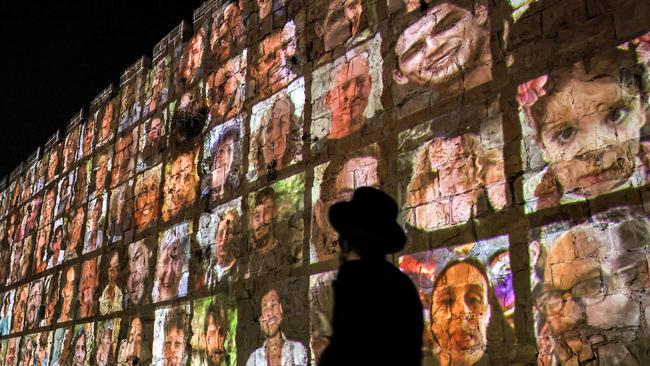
(180, 218)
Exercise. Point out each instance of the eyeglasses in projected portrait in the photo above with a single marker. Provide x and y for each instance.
(172, 267)
(586, 281)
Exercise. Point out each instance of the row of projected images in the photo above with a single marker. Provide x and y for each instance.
(206, 331)
(589, 284)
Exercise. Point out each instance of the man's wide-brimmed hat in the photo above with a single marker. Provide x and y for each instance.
(369, 218)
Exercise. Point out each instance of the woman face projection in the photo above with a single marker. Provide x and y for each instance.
(94, 238)
(589, 286)
(347, 92)
(219, 238)
(172, 267)
(105, 343)
(276, 130)
(181, 183)
(7, 311)
(584, 121)
(458, 299)
(214, 327)
(68, 278)
(276, 225)
(138, 274)
(222, 160)
(453, 177)
(171, 334)
(336, 181)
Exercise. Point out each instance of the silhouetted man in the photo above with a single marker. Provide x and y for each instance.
(377, 312)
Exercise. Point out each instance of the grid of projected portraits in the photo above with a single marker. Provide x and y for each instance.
(183, 218)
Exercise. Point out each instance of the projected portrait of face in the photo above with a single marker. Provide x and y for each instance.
(95, 224)
(33, 213)
(34, 304)
(460, 314)
(213, 332)
(121, 211)
(124, 160)
(348, 97)
(225, 88)
(263, 215)
(67, 294)
(111, 297)
(42, 352)
(591, 141)
(106, 124)
(26, 257)
(338, 182)
(275, 57)
(157, 85)
(104, 355)
(156, 131)
(131, 348)
(63, 349)
(20, 304)
(591, 275)
(88, 136)
(453, 180)
(264, 7)
(171, 269)
(344, 20)
(26, 353)
(146, 198)
(102, 165)
(51, 298)
(5, 317)
(138, 272)
(12, 350)
(87, 288)
(53, 164)
(49, 201)
(271, 322)
(224, 158)
(64, 199)
(277, 140)
(75, 240)
(79, 348)
(181, 183)
(448, 47)
(228, 32)
(16, 254)
(81, 183)
(176, 334)
(192, 58)
(70, 148)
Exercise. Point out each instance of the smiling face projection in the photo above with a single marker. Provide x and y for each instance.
(450, 42)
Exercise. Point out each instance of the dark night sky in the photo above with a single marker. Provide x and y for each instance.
(57, 55)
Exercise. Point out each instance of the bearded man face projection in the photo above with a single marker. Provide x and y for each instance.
(448, 45)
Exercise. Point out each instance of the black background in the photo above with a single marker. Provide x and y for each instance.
(56, 56)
